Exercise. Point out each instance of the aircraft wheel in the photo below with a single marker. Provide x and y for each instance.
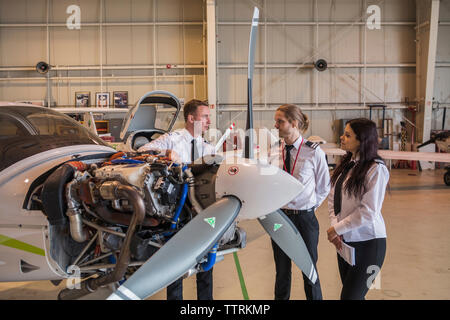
(447, 178)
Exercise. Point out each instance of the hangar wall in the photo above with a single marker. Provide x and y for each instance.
(365, 66)
(140, 38)
(132, 41)
(442, 71)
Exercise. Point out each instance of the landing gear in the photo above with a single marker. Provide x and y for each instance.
(447, 176)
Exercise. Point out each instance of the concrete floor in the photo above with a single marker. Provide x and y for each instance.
(417, 264)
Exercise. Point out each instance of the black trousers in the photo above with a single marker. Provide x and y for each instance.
(204, 287)
(356, 280)
(308, 226)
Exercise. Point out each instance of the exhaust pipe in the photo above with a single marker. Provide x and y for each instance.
(116, 190)
(191, 181)
(77, 232)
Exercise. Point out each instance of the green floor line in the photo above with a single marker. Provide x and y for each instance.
(241, 277)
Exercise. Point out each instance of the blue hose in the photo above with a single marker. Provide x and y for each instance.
(177, 213)
(126, 161)
(180, 206)
(211, 260)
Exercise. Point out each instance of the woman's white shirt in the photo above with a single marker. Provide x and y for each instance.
(361, 219)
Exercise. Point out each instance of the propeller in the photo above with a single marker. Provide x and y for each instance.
(182, 252)
(249, 154)
(286, 236)
(288, 239)
(189, 246)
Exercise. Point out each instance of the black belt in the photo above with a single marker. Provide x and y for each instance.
(290, 211)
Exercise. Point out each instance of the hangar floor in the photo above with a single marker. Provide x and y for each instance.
(417, 264)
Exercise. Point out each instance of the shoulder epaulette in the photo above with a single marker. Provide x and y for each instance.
(379, 161)
(310, 144)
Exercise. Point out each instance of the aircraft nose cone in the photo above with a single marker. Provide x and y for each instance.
(262, 188)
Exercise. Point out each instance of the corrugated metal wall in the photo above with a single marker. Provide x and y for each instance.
(365, 66)
(152, 35)
(442, 71)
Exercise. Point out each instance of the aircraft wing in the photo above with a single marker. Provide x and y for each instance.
(399, 155)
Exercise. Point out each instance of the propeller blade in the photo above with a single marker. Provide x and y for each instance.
(181, 253)
(286, 236)
(251, 63)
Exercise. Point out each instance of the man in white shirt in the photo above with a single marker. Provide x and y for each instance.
(305, 161)
(187, 145)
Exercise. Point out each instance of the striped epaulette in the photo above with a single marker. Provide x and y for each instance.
(310, 144)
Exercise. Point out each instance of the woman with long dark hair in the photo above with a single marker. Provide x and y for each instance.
(358, 187)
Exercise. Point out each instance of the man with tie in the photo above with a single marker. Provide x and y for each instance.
(187, 145)
(305, 161)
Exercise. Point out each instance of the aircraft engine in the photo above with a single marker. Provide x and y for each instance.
(121, 211)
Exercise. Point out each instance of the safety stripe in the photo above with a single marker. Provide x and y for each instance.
(313, 274)
(128, 293)
(16, 244)
(241, 277)
(114, 296)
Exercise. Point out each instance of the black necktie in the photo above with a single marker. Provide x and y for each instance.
(194, 151)
(338, 187)
(287, 159)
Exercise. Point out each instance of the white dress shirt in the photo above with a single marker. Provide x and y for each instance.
(179, 141)
(361, 219)
(311, 170)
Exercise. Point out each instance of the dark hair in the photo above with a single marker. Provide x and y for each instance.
(191, 107)
(367, 135)
(292, 112)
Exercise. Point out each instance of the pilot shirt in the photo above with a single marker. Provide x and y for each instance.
(180, 142)
(311, 169)
(361, 219)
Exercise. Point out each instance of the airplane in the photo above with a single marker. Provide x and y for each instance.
(73, 207)
(441, 139)
(70, 202)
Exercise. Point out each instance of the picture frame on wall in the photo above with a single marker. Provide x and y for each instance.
(102, 99)
(120, 99)
(82, 99)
